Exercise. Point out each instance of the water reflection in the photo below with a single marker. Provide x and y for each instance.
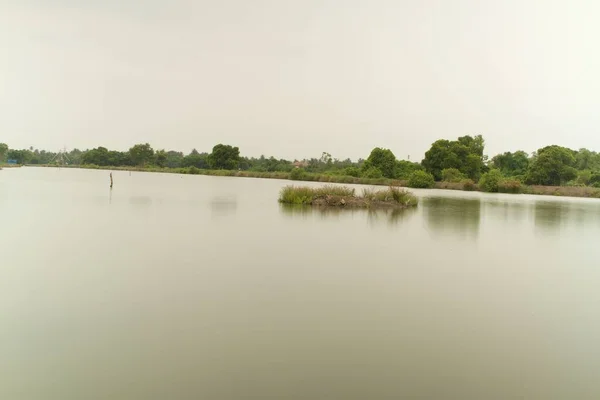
(223, 205)
(391, 216)
(139, 200)
(452, 216)
(514, 212)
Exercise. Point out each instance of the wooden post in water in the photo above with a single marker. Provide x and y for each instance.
(111, 180)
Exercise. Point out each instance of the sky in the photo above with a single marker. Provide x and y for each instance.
(296, 78)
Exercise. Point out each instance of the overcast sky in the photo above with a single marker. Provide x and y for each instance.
(296, 78)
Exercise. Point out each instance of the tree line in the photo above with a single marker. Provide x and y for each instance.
(460, 160)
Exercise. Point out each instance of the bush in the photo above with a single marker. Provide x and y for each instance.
(490, 180)
(193, 170)
(372, 173)
(595, 180)
(452, 175)
(421, 179)
(510, 186)
(584, 177)
(352, 171)
(468, 185)
(297, 174)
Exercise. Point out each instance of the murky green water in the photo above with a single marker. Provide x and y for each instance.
(190, 287)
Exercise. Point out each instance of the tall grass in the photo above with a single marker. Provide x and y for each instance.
(307, 195)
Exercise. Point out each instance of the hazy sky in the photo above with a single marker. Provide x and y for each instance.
(296, 78)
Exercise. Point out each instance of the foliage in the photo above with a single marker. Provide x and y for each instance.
(509, 186)
(141, 154)
(405, 168)
(372, 173)
(345, 196)
(552, 166)
(421, 179)
(352, 171)
(297, 174)
(306, 195)
(452, 175)
(195, 159)
(468, 185)
(3, 152)
(224, 157)
(391, 194)
(464, 154)
(382, 159)
(490, 180)
(587, 160)
(511, 164)
(21, 156)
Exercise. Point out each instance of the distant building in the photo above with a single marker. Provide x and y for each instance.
(12, 162)
(300, 164)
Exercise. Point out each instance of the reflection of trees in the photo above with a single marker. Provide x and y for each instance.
(392, 216)
(514, 212)
(452, 216)
(549, 215)
(223, 206)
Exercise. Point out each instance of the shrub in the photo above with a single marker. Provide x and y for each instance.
(584, 177)
(468, 185)
(452, 175)
(352, 171)
(372, 173)
(193, 170)
(297, 174)
(509, 186)
(420, 179)
(490, 180)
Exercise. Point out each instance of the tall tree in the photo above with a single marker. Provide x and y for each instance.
(383, 160)
(464, 154)
(3, 152)
(511, 164)
(141, 154)
(224, 157)
(553, 166)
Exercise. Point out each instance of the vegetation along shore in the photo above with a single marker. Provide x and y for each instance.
(345, 197)
(459, 164)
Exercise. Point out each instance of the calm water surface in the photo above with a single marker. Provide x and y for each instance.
(191, 287)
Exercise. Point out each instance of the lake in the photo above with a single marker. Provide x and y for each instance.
(194, 287)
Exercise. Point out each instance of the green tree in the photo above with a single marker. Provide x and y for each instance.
(552, 166)
(382, 159)
(464, 154)
(20, 156)
(512, 164)
(452, 175)
(224, 157)
(160, 158)
(489, 181)
(586, 159)
(405, 168)
(97, 156)
(141, 154)
(3, 152)
(421, 179)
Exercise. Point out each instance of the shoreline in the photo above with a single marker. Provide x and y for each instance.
(538, 190)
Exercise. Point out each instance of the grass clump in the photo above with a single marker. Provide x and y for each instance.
(346, 197)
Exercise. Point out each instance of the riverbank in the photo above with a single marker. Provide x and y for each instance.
(344, 197)
(567, 191)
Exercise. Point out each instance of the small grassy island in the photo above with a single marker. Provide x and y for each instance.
(342, 196)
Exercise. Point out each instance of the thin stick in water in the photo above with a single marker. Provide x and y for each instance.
(111, 180)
